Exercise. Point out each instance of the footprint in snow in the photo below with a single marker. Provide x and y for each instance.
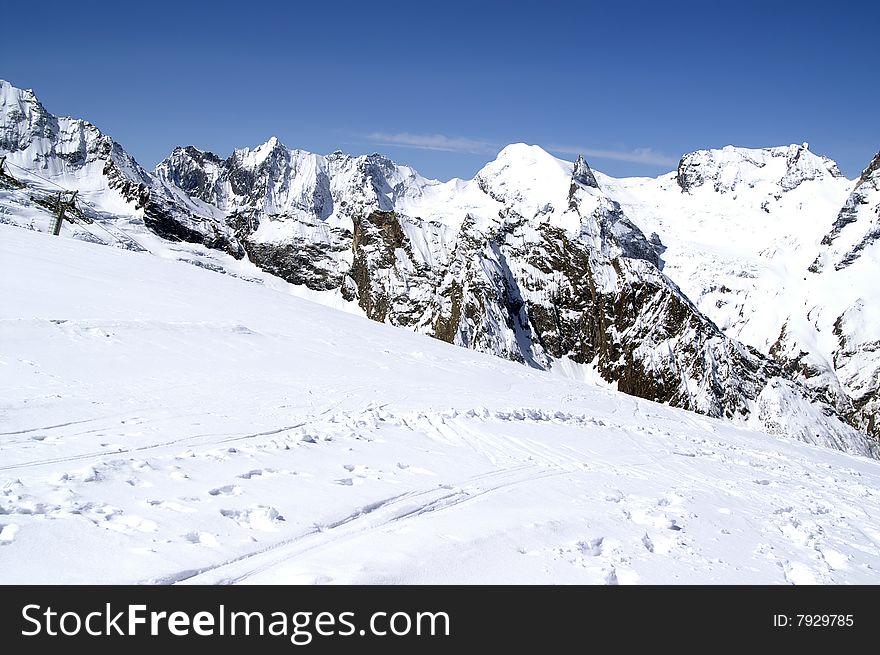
(652, 519)
(177, 474)
(360, 473)
(202, 539)
(611, 578)
(660, 544)
(171, 506)
(87, 474)
(258, 473)
(129, 524)
(227, 490)
(258, 517)
(593, 547)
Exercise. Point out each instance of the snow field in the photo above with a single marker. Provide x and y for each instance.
(162, 423)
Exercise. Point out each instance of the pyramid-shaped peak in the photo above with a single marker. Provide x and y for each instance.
(583, 174)
(525, 159)
(523, 151)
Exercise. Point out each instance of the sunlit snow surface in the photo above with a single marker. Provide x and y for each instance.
(164, 423)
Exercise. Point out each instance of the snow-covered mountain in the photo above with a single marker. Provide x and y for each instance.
(531, 260)
(779, 250)
(536, 259)
(75, 155)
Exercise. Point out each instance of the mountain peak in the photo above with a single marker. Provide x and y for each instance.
(522, 156)
(524, 152)
(190, 152)
(526, 177)
(252, 157)
(22, 118)
(582, 173)
(727, 168)
(272, 145)
(9, 92)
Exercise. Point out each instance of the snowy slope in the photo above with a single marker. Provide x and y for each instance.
(163, 423)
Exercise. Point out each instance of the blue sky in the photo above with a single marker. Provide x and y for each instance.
(444, 85)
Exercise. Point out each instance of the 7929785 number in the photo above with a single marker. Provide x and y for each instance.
(824, 620)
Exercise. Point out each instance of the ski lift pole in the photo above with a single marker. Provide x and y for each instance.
(56, 230)
(59, 208)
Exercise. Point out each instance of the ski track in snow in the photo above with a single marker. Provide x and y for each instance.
(227, 433)
(798, 538)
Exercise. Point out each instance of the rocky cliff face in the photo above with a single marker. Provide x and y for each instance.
(533, 260)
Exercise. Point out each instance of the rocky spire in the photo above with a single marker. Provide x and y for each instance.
(582, 173)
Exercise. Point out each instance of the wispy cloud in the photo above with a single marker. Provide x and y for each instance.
(647, 156)
(434, 142)
(637, 155)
